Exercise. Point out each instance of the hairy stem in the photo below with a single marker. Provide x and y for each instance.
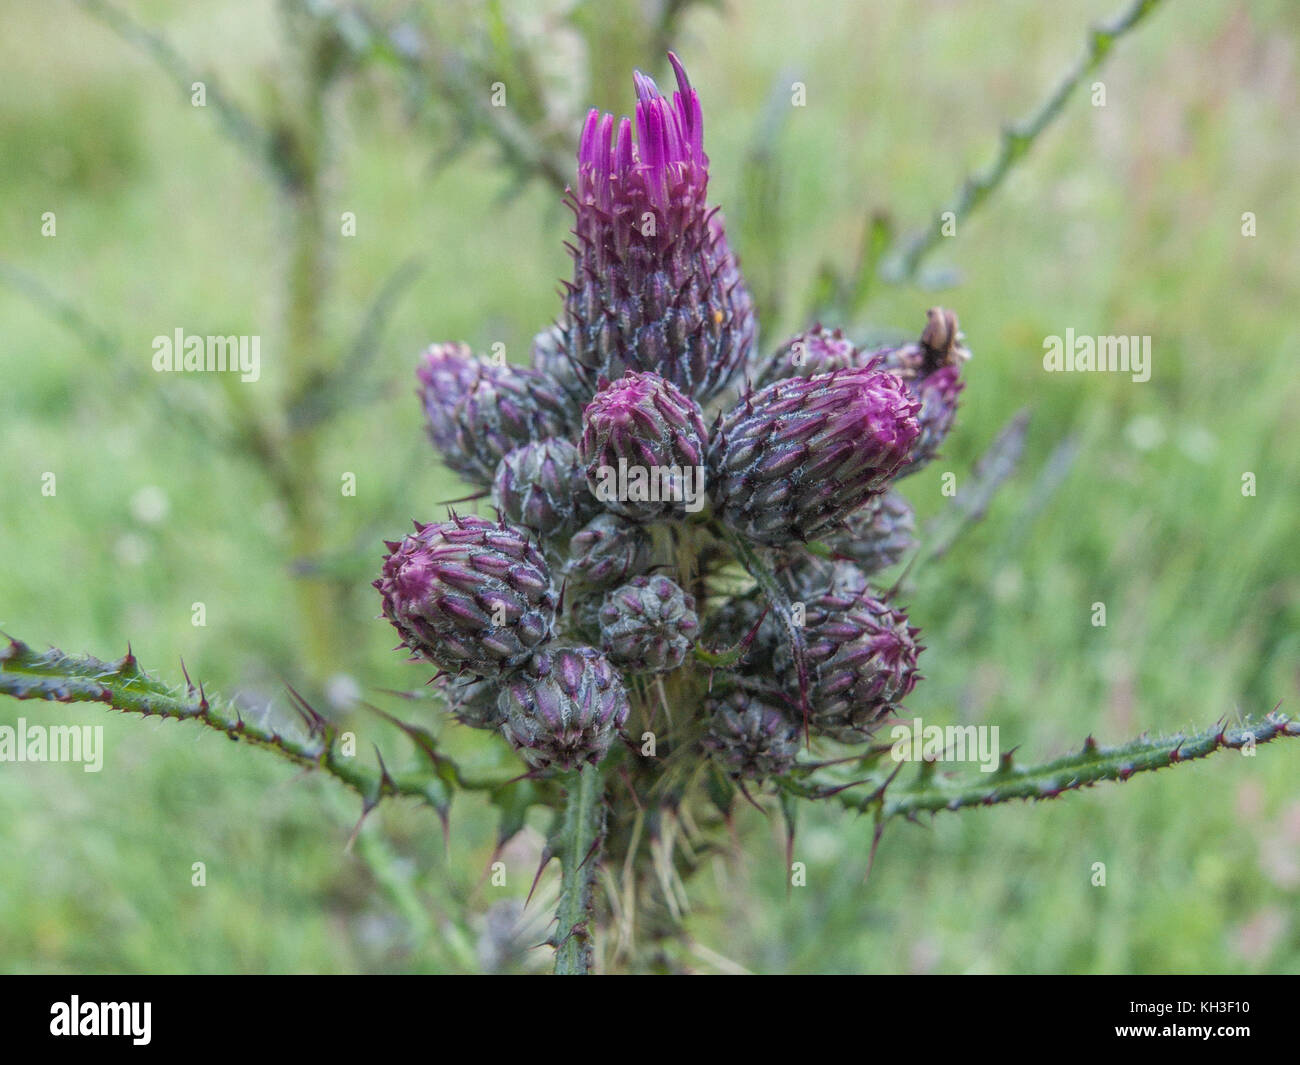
(581, 836)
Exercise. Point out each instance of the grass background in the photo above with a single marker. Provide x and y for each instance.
(1126, 220)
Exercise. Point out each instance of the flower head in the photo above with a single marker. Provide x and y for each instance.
(818, 350)
(799, 456)
(542, 487)
(564, 708)
(643, 423)
(655, 285)
(468, 594)
(861, 660)
(649, 624)
(750, 738)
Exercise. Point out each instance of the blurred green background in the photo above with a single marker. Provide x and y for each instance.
(1126, 219)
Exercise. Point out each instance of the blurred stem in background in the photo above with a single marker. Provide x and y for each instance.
(302, 136)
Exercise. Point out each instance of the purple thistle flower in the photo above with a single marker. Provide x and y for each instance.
(798, 457)
(564, 708)
(641, 431)
(655, 285)
(468, 594)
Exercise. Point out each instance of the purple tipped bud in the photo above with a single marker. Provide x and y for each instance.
(469, 594)
(817, 351)
(932, 369)
(938, 395)
(472, 700)
(643, 446)
(655, 285)
(749, 738)
(648, 625)
(878, 534)
(608, 549)
(801, 455)
(543, 487)
(861, 658)
(446, 374)
(477, 411)
(564, 708)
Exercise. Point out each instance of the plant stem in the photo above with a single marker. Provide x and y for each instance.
(1017, 140)
(582, 833)
(931, 792)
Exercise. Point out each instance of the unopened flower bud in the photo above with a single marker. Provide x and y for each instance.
(878, 534)
(542, 486)
(608, 549)
(564, 708)
(749, 738)
(469, 594)
(816, 351)
(648, 625)
(799, 456)
(931, 368)
(472, 700)
(643, 445)
(861, 660)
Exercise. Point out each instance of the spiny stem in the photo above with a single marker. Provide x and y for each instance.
(1017, 140)
(581, 836)
(53, 676)
(929, 792)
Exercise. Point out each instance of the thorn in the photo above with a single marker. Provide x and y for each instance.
(595, 846)
(740, 786)
(315, 722)
(366, 807)
(875, 842)
(464, 499)
(547, 855)
(418, 736)
(189, 684)
(387, 785)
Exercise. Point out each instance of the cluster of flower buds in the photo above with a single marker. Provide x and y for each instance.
(647, 457)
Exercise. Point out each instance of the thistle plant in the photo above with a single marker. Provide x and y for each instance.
(688, 539)
(676, 596)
